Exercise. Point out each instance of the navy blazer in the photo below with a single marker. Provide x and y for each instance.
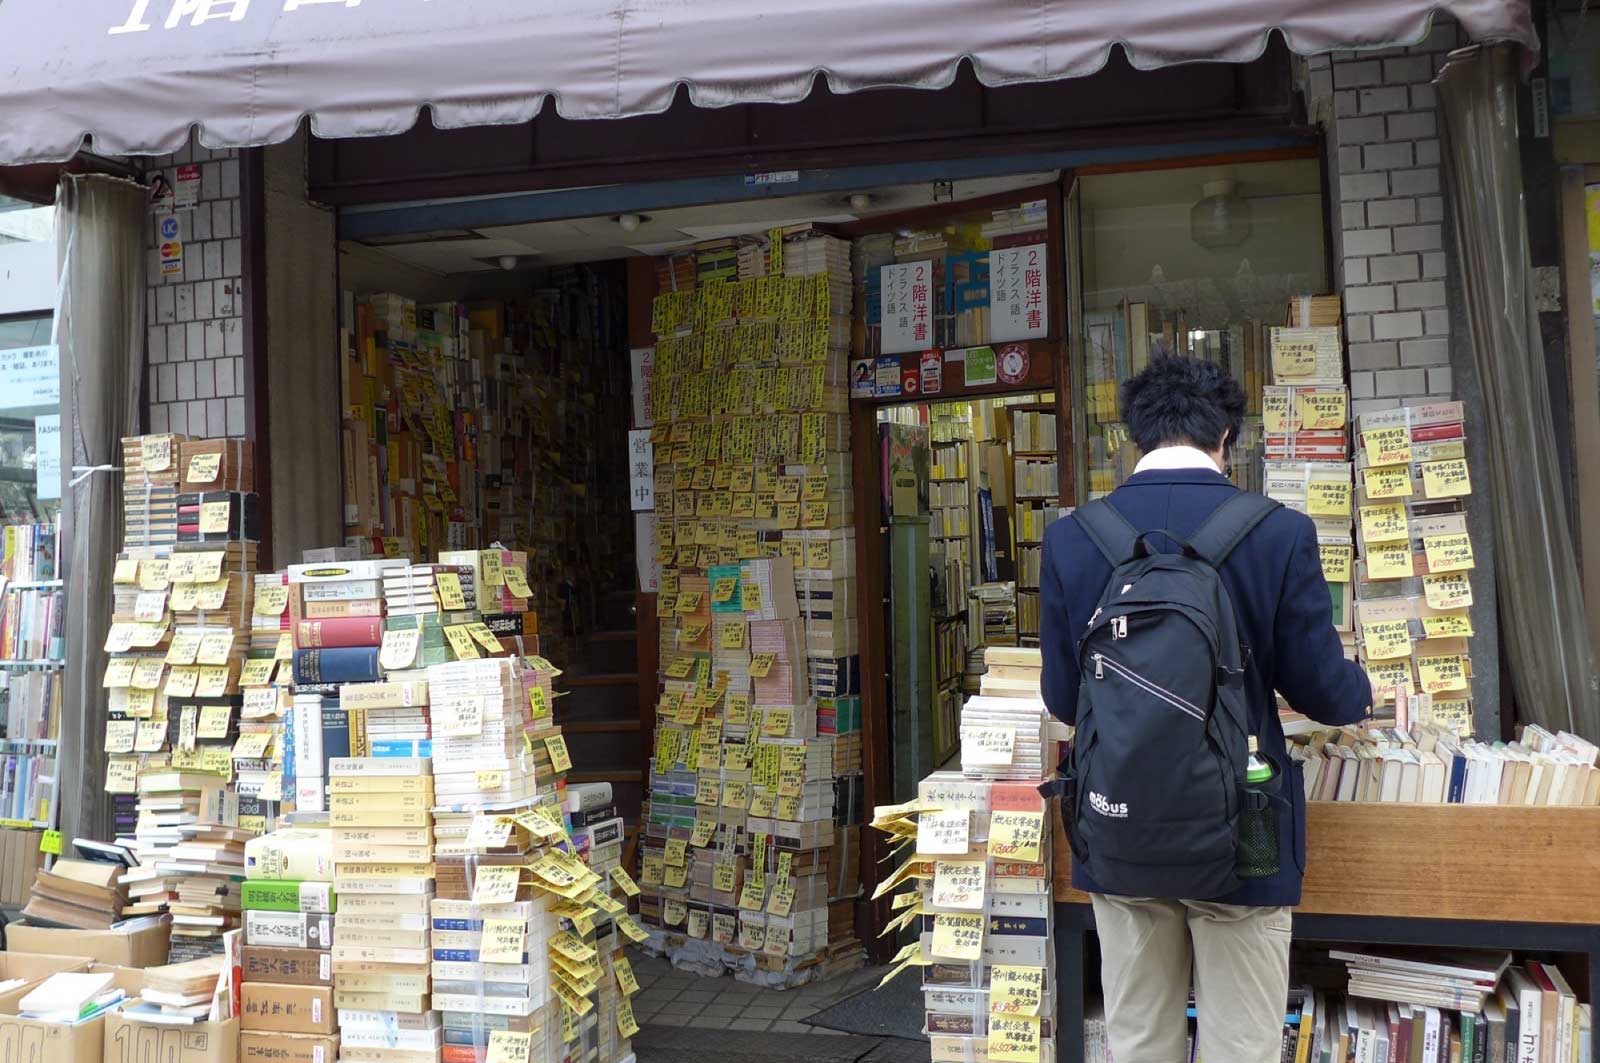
(1285, 617)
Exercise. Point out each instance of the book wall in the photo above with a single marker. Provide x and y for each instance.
(1414, 581)
(1305, 456)
(1035, 490)
(473, 425)
(979, 910)
(183, 589)
(748, 849)
(32, 656)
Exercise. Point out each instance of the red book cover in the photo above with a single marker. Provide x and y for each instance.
(1431, 433)
(341, 632)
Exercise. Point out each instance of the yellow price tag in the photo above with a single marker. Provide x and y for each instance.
(1441, 673)
(155, 453)
(214, 518)
(1322, 410)
(1386, 639)
(126, 570)
(461, 644)
(484, 637)
(1328, 498)
(1448, 553)
(761, 665)
(491, 568)
(1014, 1038)
(516, 582)
(1446, 479)
(1385, 523)
(624, 881)
(1336, 559)
(1447, 625)
(509, 1046)
(1389, 561)
(1449, 590)
(958, 937)
(50, 842)
(271, 601)
(723, 587)
(1015, 990)
(751, 597)
(732, 635)
(452, 598)
(1392, 481)
(1293, 358)
(204, 468)
(1016, 836)
(557, 747)
(1387, 446)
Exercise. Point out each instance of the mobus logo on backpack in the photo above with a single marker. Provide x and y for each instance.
(1106, 807)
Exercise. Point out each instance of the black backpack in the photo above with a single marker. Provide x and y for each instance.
(1156, 782)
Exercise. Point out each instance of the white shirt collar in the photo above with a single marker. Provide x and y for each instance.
(1176, 458)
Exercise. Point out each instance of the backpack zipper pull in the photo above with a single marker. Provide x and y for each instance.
(1099, 667)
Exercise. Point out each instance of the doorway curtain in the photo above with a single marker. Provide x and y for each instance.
(100, 332)
(1543, 622)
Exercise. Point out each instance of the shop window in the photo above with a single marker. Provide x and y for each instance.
(1201, 261)
(30, 422)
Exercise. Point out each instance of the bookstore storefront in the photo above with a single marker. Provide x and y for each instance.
(822, 367)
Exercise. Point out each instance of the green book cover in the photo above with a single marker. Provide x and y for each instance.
(279, 895)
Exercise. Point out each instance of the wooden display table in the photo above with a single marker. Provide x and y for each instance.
(1480, 876)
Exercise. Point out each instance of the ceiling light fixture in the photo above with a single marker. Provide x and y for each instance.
(1221, 219)
(860, 200)
(508, 262)
(629, 222)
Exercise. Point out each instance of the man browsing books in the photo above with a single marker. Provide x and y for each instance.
(1170, 612)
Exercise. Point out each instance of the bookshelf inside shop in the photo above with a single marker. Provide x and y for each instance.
(1037, 503)
(32, 645)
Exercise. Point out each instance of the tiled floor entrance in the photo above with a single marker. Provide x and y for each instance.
(673, 998)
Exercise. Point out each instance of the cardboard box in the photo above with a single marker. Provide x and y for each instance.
(29, 1041)
(129, 1040)
(33, 969)
(286, 1048)
(146, 947)
(286, 1008)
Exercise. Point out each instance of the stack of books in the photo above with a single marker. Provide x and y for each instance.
(191, 853)
(150, 466)
(339, 641)
(1413, 585)
(382, 819)
(85, 894)
(1006, 730)
(181, 993)
(287, 958)
(505, 598)
(984, 915)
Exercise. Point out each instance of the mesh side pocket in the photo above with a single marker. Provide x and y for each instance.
(1258, 836)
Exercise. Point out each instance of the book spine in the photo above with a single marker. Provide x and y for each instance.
(339, 665)
(343, 633)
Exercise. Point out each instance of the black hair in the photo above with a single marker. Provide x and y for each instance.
(1180, 401)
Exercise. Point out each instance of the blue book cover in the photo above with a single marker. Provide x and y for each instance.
(344, 664)
(401, 748)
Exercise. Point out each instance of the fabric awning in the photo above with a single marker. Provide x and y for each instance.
(136, 75)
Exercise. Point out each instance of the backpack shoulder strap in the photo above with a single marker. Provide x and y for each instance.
(1229, 524)
(1108, 530)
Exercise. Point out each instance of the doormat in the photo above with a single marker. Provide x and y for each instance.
(893, 1011)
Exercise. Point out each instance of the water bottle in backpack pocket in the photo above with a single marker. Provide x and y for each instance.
(1258, 816)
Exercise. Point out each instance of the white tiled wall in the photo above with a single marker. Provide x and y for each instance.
(196, 325)
(1382, 122)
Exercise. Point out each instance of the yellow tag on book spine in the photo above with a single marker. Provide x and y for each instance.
(958, 937)
(1449, 590)
(1389, 561)
(1015, 836)
(1322, 410)
(1441, 673)
(1448, 553)
(271, 601)
(1014, 1038)
(1293, 358)
(461, 643)
(1336, 558)
(1385, 523)
(1386, 639)
(1328, 498)
(557, 746)
(496, 884)
(761, 664)
(451, 597)
(1015, 990)
(489, 780)
(1446, 479)
(509, 1046)
(204, 468)
(1447, 625)
(1392, 481)
(1387, 446)
(516, 582)
(491, 567)
(155, 453)
(214, 518)
(503, 940)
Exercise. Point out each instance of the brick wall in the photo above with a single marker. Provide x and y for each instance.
(1378, 108)
(195, 341)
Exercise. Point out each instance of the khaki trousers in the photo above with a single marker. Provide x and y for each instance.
(1239, 957)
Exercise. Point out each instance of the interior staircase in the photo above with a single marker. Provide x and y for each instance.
(598, 706)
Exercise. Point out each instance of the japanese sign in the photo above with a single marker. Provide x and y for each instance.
(29, 377)
(907, 295)
(1018, 297)
(641, 469)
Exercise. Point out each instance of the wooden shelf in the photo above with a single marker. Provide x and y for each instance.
(1469, 862)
